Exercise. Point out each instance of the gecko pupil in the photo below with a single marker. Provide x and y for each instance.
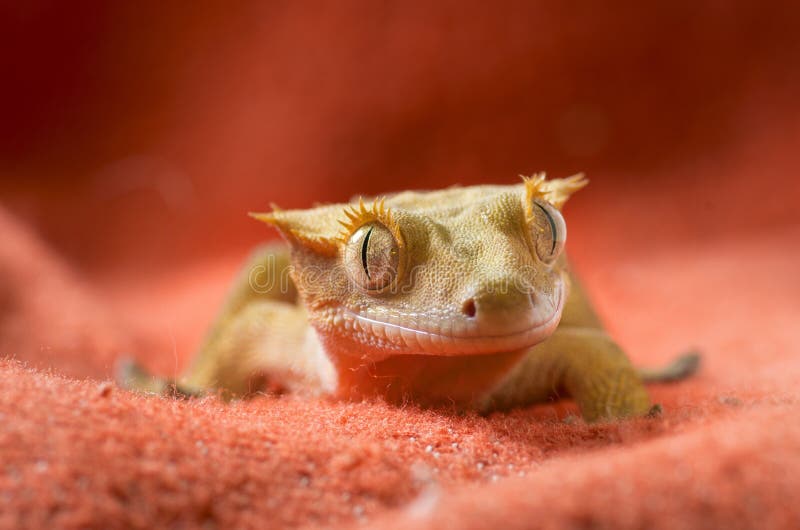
(552, 226)
(364, 248)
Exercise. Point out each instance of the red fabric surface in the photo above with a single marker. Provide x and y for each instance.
(134, 141)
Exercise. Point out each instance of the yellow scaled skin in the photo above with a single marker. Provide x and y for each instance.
(457, 297)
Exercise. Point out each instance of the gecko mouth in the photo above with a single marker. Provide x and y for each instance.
(455, 336)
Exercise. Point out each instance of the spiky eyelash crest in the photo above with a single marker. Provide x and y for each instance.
(556, 192)
(535, 188)
(357, 215)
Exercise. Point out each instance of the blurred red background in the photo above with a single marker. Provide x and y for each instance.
(135, 136)
(152, 127)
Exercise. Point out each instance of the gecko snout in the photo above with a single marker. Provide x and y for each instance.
(494, 302)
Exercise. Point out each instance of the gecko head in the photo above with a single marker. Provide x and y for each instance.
(459, 271)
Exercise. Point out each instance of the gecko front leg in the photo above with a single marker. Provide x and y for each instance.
(261, 333)
(584, 363)
(599, 376)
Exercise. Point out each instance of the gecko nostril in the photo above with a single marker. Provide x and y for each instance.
(468, 308)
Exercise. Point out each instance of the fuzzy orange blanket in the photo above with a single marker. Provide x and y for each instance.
(79, 452)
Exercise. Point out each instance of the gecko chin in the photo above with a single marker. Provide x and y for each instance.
(382, 333)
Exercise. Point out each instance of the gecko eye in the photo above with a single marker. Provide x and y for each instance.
(372, 256)
(549, 231)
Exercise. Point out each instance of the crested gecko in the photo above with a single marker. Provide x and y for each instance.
(459, 297)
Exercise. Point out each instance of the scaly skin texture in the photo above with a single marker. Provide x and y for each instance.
(458, 297)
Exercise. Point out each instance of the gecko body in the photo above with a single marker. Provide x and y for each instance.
(458, 297)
